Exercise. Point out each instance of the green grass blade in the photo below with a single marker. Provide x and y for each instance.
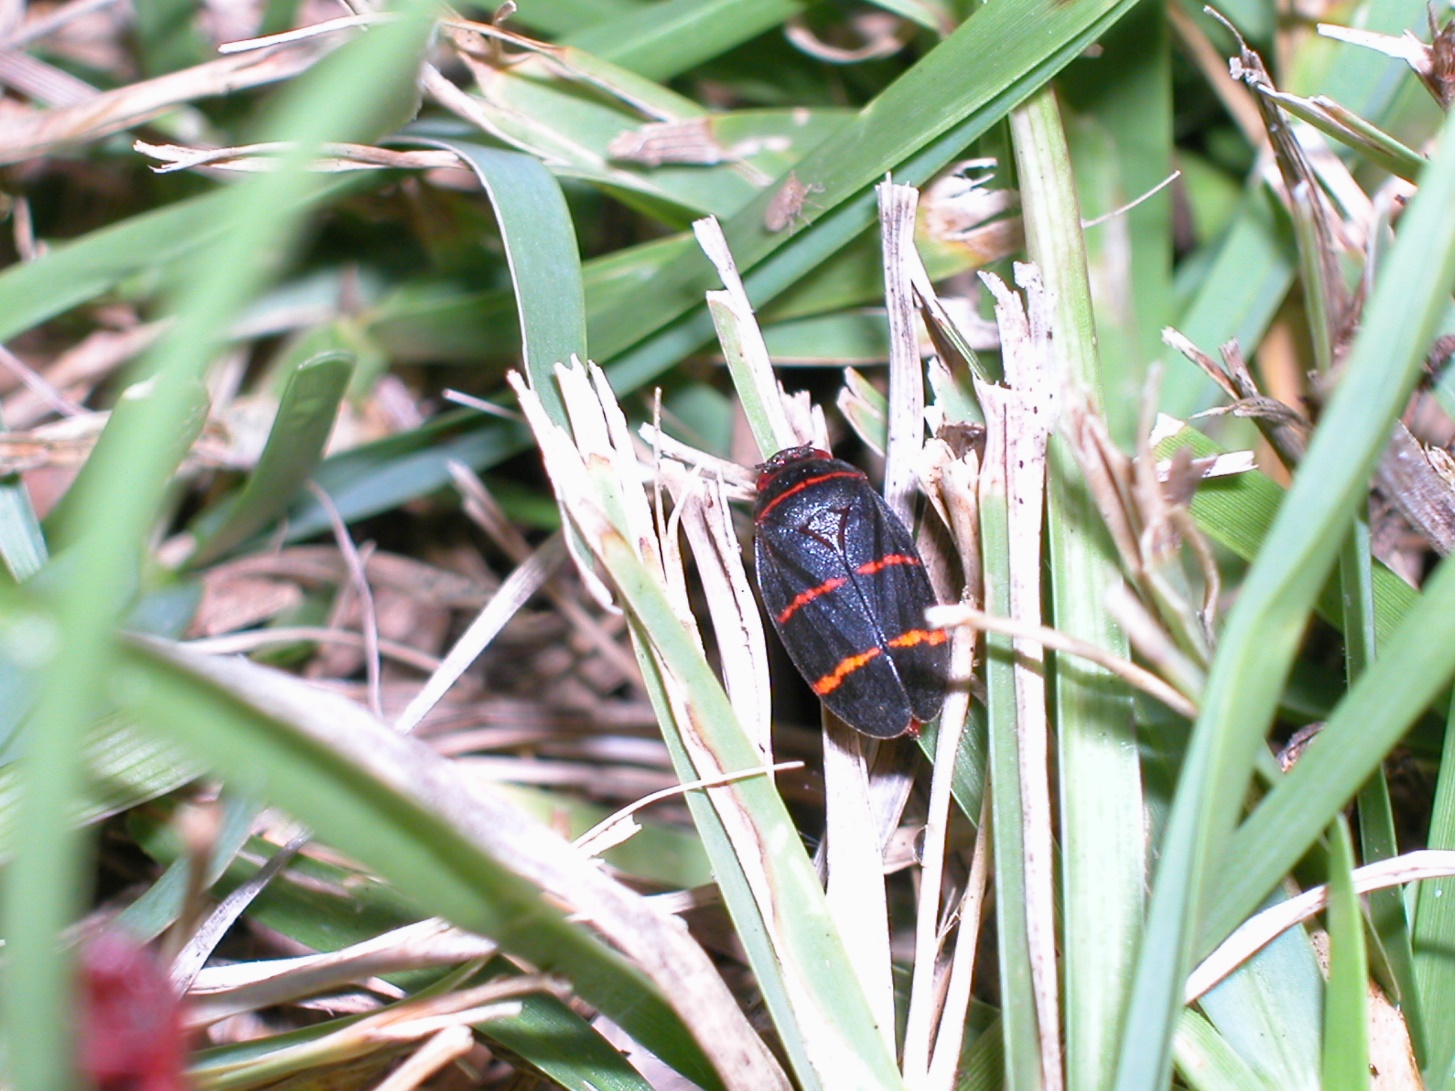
(164, 902)
(1120, 132)
(557, 17)
(665, 39)
(1269, 1011)
(545, 269)
(380, 476)
(545, 264)
(1346, 1008)
(306, 413)
(410, 816)
(137, 405)
(1377, 834)
(1412, 669)
(1101, 830)
(1434, 930)
(565, 1047)
(1206, 1062)
(1020, 1039)
(1265, 625)
(115, 504)
(74, 272)
(970, 81)
(22, 544)
(123, 768)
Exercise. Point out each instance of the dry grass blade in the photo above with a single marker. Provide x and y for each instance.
(1405, 474)
(747, 353)
(521, 585)
(42, 82)
(1422, 494)
(856, 890)
(1431, 63)
(1019, 418)
(39, 386)
(236, 643)
(486, 513)
(619, 826)
(597, 461)
(1329, 300)
(949, 1043)
(46, 23)
(906, 424)
(227, 989)
(856, 893)
(446, 1047)
(1285, 428)
(935, 1020)
(940, 994)
(702, 504)
(46, 131)
(364, 595)
(1259, 931)
(657, 943)
(256, 157)
(74, 372)
(201, 944)
(409, 1021)
(305, 33)
(1130, 673)
(70, 441)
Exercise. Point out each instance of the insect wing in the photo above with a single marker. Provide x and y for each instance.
(896, 590)
(830, 629)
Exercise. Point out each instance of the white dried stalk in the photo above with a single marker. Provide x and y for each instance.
(30, 135)
(482, 509)
(1046, 637)
(446, 1047)
(220, 991)
(741, 642)
(928, 1018)
(572, 487)
(906, 374)
(951, 1039)
(518, 589)
(336, 158)
(620, 826)
(927, 1025)
(1259, 931)
(732, 314)
(856, 895)
(1027, 403)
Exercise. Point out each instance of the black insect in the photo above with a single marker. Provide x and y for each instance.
(847, 592)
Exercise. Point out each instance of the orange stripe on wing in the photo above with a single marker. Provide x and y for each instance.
(846, 666)
(850, 663)
(786, 493)
(868, 568)
(803, 598)
(889, 560)
(910, 637)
